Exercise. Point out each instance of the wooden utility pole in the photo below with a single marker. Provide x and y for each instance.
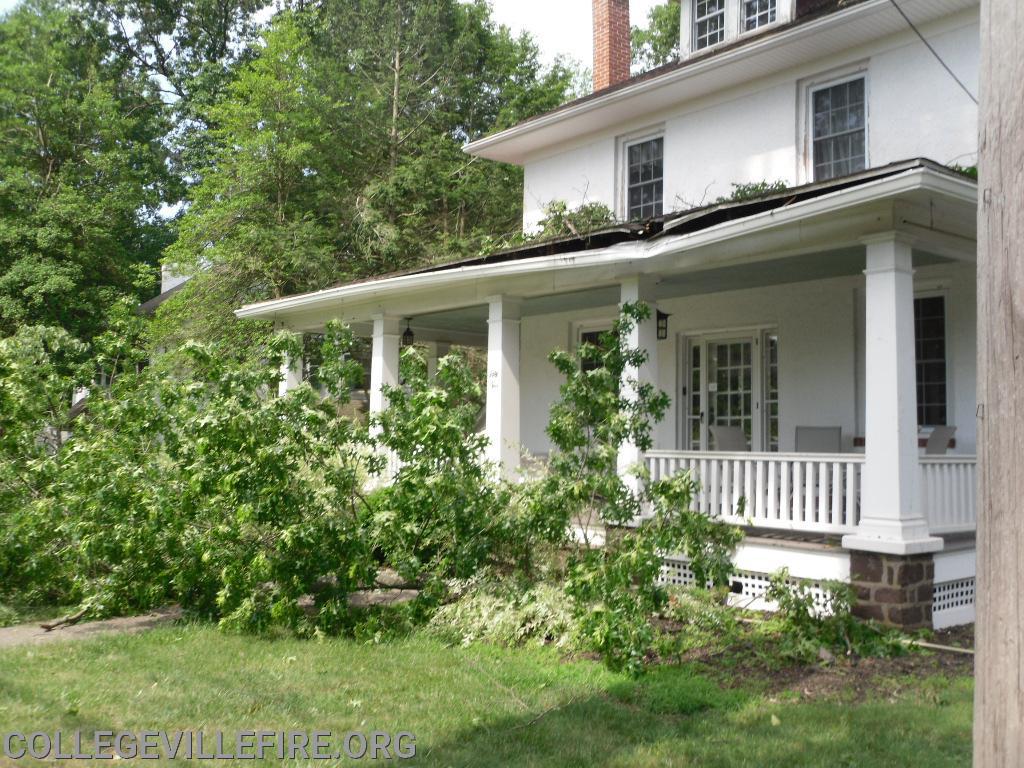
(999, 697)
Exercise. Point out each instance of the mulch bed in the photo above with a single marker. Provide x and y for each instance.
(847, 679)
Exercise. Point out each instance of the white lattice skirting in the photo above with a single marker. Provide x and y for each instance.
(954, 579)
(748, 587)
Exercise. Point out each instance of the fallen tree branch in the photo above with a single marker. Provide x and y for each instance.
(937, 647)
(66, 621)
(546, 712)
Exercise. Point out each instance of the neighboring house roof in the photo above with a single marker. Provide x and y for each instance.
(819, 29)
(149, 307)
(607, 244)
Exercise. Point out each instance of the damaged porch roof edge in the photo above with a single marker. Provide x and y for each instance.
(916, 176)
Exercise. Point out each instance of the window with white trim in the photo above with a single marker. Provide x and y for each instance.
(758, 13)
(645, 169)
(708, 23)
(839, 129)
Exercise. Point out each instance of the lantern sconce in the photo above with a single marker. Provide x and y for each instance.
(408, 337)
(663, 325)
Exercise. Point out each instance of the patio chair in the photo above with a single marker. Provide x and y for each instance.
(938, 441)
(729, 439)
(819, 439)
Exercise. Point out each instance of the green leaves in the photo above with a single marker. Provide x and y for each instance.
(444, 515)
(82, 171)
(188, 481)
(614, 588)
(658, 42)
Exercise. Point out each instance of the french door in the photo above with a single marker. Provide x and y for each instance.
(731, 381)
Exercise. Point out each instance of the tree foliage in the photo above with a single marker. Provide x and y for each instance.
(658, 42)
(337, 151)
(186, 481)
(83, 171)
(614, 586)
(443, 515)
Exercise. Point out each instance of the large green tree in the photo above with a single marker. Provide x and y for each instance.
(337, 151)
(83, 171)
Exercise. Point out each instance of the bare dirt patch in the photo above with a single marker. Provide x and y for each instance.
(33, 634)
(846, 678)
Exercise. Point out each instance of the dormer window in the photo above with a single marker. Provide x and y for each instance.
(758, 13)
(711, 23)
(645, 166)
(708, 23)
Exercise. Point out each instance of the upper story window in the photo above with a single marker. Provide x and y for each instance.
(645, 166)
(758, 13)
(839, 129)
(708, 23)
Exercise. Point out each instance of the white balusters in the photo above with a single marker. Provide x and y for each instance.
(807, 492)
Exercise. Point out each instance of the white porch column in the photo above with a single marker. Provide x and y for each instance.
(892, 520)
(504, 313)
(383, 360)
(291, 371)
(639, 288)
(435, 350)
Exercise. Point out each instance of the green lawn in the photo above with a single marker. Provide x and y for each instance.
(477, 706)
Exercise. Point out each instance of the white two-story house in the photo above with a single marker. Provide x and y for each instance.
(818, 343)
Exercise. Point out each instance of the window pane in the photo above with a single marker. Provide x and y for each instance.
(757, 13)
(930, 346)
(708, 23)
(645, 179)
(838, 122)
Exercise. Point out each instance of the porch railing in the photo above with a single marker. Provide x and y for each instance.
(949, 493)
(803, 492)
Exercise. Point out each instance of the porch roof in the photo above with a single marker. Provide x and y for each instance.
(813, 226)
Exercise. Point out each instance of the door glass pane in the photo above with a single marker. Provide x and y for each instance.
(771, 391)
(694, 411)
(730, 370)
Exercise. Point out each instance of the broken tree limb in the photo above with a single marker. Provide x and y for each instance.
(67, 621)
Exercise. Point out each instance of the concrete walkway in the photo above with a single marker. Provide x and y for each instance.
(33, 634)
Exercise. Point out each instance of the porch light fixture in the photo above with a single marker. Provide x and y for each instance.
(663, 325)
(407, 336)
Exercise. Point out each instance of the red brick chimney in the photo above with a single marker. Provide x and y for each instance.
(611, 43)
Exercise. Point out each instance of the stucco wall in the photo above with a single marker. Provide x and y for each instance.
(753, 133)
(821, 352)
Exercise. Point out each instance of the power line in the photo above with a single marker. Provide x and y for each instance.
(934, 52)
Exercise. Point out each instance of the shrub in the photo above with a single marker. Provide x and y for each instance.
(509, 613)
(701, 619)
(805, 627)
(614, 588)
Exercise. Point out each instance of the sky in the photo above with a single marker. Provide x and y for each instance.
(558, 26)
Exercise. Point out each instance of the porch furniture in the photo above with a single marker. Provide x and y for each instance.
(729, 439)
(819, 439)
(938, 441)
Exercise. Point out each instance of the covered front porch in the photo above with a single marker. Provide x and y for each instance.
(844, 310)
